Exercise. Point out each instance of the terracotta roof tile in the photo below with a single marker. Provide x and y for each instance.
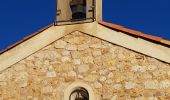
(136, 33)
(165, 42)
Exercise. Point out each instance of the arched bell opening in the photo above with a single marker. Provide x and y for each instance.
(79, 94)
(78, 9)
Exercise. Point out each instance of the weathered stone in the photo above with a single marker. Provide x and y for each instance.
(51, 74)
(80, 77)
(72, 74)
(103, 72)
(152, 98)
(107, 95)
(120, 78)
(75, 54)
(109, 81)
(60, 44)
(83, 68)
(83, 47)
(97, 53)
(29, 97)
(151, 84)
(102, 79)
(167, 92)
(22, 76)
(97, 85)
(94, 72)
(159, 73)
(117, 86)
(91, 78)
(71, 47)
(2, 77)
(66, 59)
(64, 68)
(130, 85)
(168, 73)
(66, 53)
(77, 61)
(112, 68)
(97, 45)
(151, 67)
(46, 63)
(110, 75)
(23, 84)
(130, 76)
(158, 94)
(51, 55)
(3, 83)
(22, 79)
(47, 89)
(74, 40)
(88, 60)
(148, 93)
(138, 68)
(121, 56)
(50, 68)
(35, 98)
(147, 76)
(140, 98)
(164, 84)
(98, 60)
(114, 97)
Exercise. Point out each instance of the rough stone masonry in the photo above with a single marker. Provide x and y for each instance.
(113, 72)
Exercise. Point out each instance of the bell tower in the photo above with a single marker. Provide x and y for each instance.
(78, 11)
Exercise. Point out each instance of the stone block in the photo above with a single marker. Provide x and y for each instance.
(60, 44)
(77, 61)
(152, 98)
(51, 74)
(47, 89)
(71, 47)
(72, 74)
(102, 79)
(83, 68)
(66, 53)
(75, 54)
(151, 67)
(97, 53)
(164, 84)
(130, 85)
(66, 59)
(88, 60)
(158, 73)
(117, 86)
(97, 85)
(96, 46)
(151, 84)
(138, 68)
(82, 47)
(115, 97)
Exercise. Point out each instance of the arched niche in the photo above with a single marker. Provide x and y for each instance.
(71, 89)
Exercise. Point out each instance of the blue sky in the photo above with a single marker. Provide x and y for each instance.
(20, 18)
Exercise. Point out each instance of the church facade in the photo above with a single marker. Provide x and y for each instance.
(96, 60)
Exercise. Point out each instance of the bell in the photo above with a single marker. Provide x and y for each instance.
(78, 9)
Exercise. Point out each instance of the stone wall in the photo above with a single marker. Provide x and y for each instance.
(113, 72)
